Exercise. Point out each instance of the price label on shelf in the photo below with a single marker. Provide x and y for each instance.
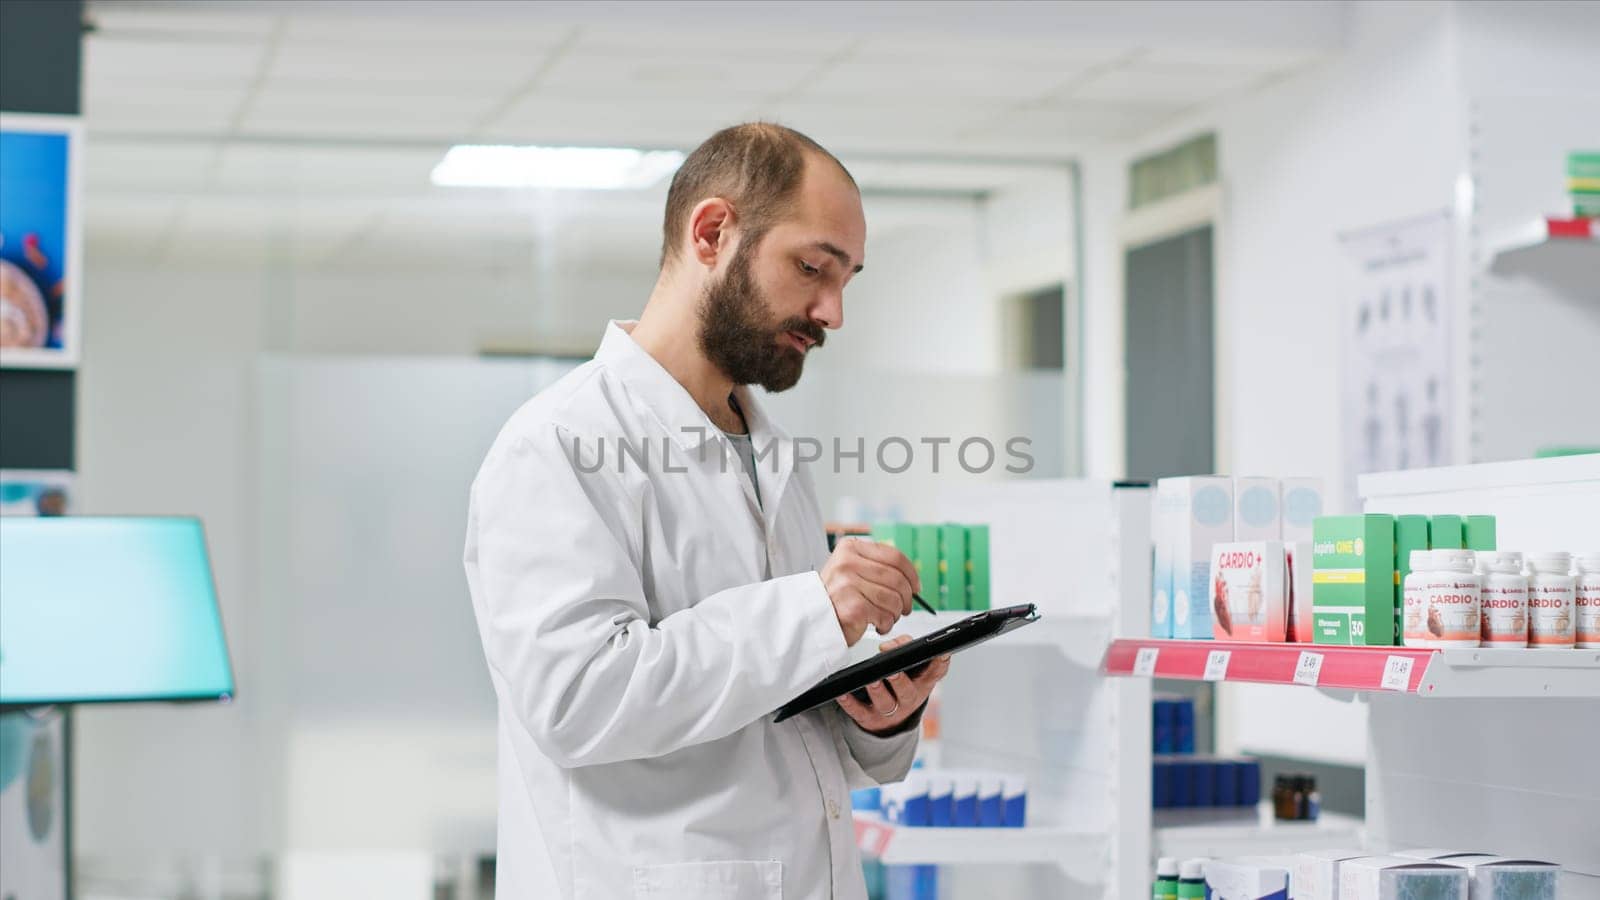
(1144, 664)
(1308, 669)
(1396, 673)
(1217, 665)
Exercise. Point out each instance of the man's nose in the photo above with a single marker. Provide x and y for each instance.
(829, 310)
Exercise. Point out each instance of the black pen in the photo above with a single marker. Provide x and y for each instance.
(923, 603)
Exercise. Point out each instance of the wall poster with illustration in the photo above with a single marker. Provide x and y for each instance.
(1398, 342)
(41, 228)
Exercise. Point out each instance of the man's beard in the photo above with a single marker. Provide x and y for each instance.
(736, 333)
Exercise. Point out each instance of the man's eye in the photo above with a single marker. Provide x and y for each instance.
(808, 268)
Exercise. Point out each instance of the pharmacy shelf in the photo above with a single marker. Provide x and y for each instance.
(1475, 672)
(1258, 835)
(1080, 855)
(1551, 248)
(1080, 638)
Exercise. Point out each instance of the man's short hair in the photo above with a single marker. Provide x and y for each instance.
(756, 166)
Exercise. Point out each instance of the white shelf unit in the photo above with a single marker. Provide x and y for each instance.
(1258, 835)
(1079, 855)
(1080, 551)
(1507, 765)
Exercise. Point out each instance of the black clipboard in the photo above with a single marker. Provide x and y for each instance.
(952, 638)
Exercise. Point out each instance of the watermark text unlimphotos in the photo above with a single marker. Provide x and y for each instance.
(893, 455)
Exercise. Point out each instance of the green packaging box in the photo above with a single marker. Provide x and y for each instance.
(1447, 533)
(977, 567)
(1410, 533)
(926, 560)
(953, 566)
(898, 535)
(1352, 593)
(1478, 532)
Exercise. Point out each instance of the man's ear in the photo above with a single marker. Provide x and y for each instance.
(711, 230)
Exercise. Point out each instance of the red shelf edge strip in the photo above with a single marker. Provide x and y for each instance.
(1351, 668)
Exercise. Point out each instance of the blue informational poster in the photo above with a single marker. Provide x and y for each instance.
(40, 246)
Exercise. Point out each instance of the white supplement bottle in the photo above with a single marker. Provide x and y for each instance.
(1451, 598)
(1413, 630)
(1504, 611)
(1552, 593)
(1588, 601)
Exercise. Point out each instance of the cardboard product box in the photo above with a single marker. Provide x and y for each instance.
(1503, 878)
(1299, 502)
(1256, 512)
(1247, 878)
(952, 567)
(1432, 854)
(1249, 592)
(1352, 601)
(1202, 517)
(1297, 558)
(1164, 534)
(1316, 873)
(1478, 533)
(1398, 878)
(926, 561)
(1447, 533)
(977, 567)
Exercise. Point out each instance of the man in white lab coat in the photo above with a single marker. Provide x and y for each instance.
(651, 578)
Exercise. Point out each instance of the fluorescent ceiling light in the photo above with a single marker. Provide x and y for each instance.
(572, 168)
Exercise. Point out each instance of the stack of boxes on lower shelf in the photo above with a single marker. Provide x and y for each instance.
(951, 560)
(1182, 779)
(1355, 875)
(954, 798)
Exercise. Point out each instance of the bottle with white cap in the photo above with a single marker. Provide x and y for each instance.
(1415, 593)
(1192, 880)
(1504, 607)
(1588, 601)
(1450, 618)
(1552, 594)
(1166, 887)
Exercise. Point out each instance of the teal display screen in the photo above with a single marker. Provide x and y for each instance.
(104, 609)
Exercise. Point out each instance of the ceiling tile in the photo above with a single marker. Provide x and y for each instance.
(1077, 121)
(194, 61)
(778, 44)
(354, 113)
(213, 20)
(163, 109)
(120, 167)
(675, 74)
(1169, 83)
(853, 82)
(376, 67)
(325, 171)
(635, 121)
(439, 32)
(1042, 54)
(842, 124)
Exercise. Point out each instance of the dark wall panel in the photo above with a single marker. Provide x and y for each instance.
(40, 56)
(40, 43)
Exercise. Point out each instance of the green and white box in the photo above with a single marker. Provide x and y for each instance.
(1202, 516)
(977, 567)
(1478, 533)
(1397, 878)
(1352, 599)
(1502, 878)
(1447, 533)
(926, 561)
(953, 566)
(1316, 873)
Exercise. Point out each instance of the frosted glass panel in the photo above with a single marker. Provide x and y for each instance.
(871, 409)
(365, 477)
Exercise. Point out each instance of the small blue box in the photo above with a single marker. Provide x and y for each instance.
(1183, 729)
(1164, 725)
(965, 811)
(1228, 782)
(1161, 783)
(1250, 783)
(1205, 782)
(941, 803)
(1184, 774)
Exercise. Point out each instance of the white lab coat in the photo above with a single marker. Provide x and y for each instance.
(641, 627)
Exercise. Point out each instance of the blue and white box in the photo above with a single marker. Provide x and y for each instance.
(1014, 801)
(1245, 878)
(1256, 511)
(964, 799)
(906, 802)
(991, 806)
(941, 799)
(1203, 516)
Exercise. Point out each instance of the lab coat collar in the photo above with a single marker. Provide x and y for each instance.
(678, 413)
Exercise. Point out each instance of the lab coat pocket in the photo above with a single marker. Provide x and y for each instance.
(723, 880)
